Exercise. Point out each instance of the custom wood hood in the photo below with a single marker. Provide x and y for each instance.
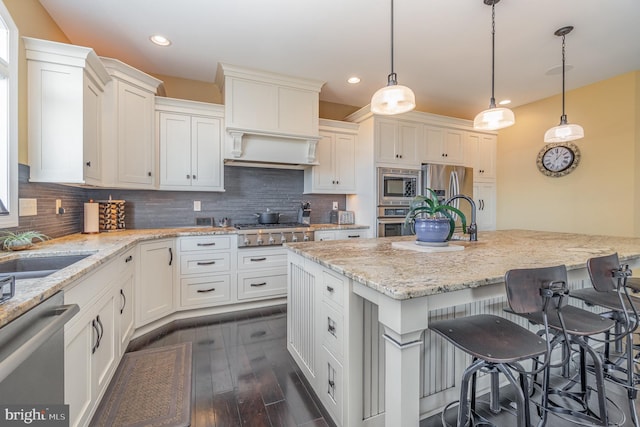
(271, 119)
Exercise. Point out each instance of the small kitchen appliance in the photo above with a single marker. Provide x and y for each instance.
(342, 217)
(304, 213)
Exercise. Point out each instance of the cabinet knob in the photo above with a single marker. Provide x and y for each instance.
(148, 173)
(89, 163)
(194, 177)
(188, 176)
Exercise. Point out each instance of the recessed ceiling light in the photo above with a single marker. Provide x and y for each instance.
(353, 80)
(505, 102)
(160, 40)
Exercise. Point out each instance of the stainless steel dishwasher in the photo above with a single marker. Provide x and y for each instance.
(32, 354)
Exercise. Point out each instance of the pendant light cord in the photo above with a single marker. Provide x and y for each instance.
(392, 79)
(492, 103)
(564, 117)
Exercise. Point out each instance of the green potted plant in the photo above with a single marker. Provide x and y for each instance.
(19, 241)
(433, 221)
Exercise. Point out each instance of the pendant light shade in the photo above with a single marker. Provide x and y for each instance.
(564, 131)
(393, 98)
(493, 118)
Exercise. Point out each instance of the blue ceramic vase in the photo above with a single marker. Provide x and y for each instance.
(432, 230)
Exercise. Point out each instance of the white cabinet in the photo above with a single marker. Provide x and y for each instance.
(205, 271)
(481, 156)
(125, 287)
(262, 273)
(154, 279)
(443, 145)
(66, 86)
(129, 127)
(190, 140)
(485, 198)
(93, 339)
(323, 235)
(335, 153)
(397, 142)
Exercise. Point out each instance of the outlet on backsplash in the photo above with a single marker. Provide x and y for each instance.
(335, 206)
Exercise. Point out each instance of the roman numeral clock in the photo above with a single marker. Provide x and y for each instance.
(558, 159)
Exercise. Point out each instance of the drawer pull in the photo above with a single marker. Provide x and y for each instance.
(255, 285)
(332, 387)
(206, 262)
(331, 329)
(129, 258)
(353, 236)
(204, 291)
(258, 259)
(330, 289)
(207, 244)
(258, 334)
(124, 301)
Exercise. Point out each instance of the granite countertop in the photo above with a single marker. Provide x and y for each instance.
(403, 274)
(102, 248)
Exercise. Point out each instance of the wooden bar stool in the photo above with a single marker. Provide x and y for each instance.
(570, 326)
(500, 346)
(609, 279)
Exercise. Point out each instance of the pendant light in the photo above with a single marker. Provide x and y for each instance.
(564, 131)
(393, 98)
(493, 118)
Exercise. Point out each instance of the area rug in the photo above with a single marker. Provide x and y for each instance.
(151, 388)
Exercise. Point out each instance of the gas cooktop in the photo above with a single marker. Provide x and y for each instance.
(272, 234)
(254, 226)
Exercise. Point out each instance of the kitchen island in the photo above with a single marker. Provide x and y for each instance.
(359, 312)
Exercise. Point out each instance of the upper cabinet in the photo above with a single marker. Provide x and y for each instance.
(66, 85)
(397, 142)
(269, 117)
(190, 141)
(129, 126)
(443, 145)
(481, 155)
(335, 153)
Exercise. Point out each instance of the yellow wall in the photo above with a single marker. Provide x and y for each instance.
(602, 195)
(32, 20)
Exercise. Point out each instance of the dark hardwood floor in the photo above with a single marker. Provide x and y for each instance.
(243, 373)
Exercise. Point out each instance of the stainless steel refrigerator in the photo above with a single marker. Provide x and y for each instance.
(448, 181)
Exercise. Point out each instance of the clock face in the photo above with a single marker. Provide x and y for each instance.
(558, 159)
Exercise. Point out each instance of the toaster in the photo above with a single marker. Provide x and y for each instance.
(346, 217)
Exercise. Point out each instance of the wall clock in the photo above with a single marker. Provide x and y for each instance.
(558, 159)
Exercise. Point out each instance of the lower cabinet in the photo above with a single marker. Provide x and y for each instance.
(262, 273)
(485, 198)
(97, 337)
(154, 290)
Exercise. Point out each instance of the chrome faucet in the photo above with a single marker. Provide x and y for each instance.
(472, 228)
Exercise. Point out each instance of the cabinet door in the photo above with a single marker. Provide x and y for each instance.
(485, 198)
(154, 290)
(444, 146)
(104, 357)
(125, 309)
(486, 164)
(386, 136)
(454, 147)
(206, 152)
(433, 145)
(79, 337)
(409, 137)
(136, 153)
(92, 138)
(324, 173)
(345, 163)
(175, 149)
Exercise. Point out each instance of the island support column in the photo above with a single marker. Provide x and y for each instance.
(404, 322)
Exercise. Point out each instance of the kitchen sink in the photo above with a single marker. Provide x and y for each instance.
(27, 268)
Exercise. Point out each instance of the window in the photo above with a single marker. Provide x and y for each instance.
(8, 120)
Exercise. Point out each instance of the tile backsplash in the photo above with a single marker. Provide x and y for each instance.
(248, 191)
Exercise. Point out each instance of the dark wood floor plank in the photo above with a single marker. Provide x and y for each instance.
(280, 415)
(225, 410)
(202, 415)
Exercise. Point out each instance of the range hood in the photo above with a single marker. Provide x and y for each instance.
(271, 119)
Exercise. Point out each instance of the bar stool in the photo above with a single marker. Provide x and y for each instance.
(498, 345)
(609, 280)
(569, 326)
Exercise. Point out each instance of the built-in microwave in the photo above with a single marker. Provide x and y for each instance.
(397, 186)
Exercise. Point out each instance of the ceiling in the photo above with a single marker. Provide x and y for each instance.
(442, 48)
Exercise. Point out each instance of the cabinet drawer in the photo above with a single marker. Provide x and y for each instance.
(331, 384)
(263, 283)
(269, 258)
(210, 262)
(205, 290)
(332, 288)
(332, 329)
(204, 243)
